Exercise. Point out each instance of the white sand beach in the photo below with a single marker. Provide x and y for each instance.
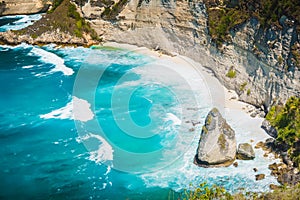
(236, 113)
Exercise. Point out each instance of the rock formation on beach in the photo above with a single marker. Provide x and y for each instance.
(245, 152)
(217, 144)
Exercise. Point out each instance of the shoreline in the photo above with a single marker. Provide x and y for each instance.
(238, 114)
(231, 98)
(225, 99)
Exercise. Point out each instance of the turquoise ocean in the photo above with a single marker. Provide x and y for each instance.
(101, 123)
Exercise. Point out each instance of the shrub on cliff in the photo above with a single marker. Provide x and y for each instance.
(205, 192)
(111, 13)
(55, 4)
(63, 17)
(286, 120)
(225, 15)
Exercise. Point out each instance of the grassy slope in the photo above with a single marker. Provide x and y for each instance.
(286, 120)
(208, 193)
(223, 17)
(63, 17)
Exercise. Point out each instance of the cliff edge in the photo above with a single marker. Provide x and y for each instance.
(19, 7)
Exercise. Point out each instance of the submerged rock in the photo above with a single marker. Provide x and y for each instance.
(245, 152)
(217, 144)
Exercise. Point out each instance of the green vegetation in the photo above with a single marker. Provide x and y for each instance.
(221, 20)
(81, 25)
(296, 54)
(64, 18)
(248, 92)
(231, 73)
(111, 13)
(225, 15)
(208, 120)
(243, 86)
(107, 48)
(286, 120)
(205, 192)
(222, 141)
(204, 129)
(34, 35)
(55, 4)
(280, 60)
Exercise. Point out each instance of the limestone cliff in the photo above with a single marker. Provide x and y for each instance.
(262, 60)
(14, 7)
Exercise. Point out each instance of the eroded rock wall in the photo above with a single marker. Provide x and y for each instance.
(15, 7)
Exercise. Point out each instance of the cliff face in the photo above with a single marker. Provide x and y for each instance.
(265, 70)
(15, 7)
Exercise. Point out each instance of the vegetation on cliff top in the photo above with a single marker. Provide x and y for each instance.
(63, 17)
(225, 15)
(55, 4)
(111, 13)
(286, 120)
(205, 192)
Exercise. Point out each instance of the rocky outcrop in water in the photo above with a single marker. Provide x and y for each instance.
(18, 7)
(217, 144)
(245, 152)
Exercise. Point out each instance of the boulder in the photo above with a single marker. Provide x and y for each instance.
(270, 130)
(217, 144)
(235, 164)
(245, 152)
(259, 177)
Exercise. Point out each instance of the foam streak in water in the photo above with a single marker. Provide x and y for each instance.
(78, 109)
(48, 57)
(22, 22)
(104, 153)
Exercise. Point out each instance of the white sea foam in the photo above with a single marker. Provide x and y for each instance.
(57, 61)
(173, 118)
(24, 21)
(28, 66)
(78, 109)
(104, 151)
(82, 110)
(20, 46)
(180, 174)
(118, 57)
(61, 113)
